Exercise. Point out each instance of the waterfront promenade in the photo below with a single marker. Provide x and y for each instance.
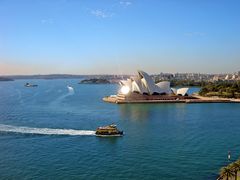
(120, 99)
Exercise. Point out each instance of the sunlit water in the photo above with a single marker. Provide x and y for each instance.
(48, 133)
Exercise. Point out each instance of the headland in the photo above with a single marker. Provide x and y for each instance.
(142, 89)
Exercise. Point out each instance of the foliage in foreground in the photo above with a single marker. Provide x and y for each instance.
(230, 171)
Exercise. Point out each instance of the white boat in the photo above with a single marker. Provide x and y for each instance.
(70, 88)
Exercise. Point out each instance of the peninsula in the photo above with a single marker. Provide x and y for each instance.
(142, 89)
(221, 89)
(5, 79)
(95, 81)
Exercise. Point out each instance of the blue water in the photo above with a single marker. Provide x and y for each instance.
(162, 141)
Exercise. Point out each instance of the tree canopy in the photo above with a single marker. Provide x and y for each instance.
(221, 89)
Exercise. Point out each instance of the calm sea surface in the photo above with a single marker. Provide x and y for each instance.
(162, 141)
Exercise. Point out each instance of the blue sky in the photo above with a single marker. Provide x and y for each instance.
(118, 37)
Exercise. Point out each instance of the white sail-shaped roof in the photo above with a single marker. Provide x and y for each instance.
(174, 90)
(144, 84)
(127, 83)
(164, 87)
(137, 86)
(182, 91)
(149, 83)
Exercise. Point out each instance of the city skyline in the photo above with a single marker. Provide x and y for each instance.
(118, 37)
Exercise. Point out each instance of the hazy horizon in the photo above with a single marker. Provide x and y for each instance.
(62, 74)
(118, 37)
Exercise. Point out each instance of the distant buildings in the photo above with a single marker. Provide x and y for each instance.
(227, 77)
(197, 77)
(183, 76)
(215, 78)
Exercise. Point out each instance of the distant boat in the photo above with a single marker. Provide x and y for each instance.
(30, 85)
(110, 130)
(70, 88)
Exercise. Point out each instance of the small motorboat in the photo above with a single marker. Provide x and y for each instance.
(70, 88)
(30, 85)
(110, 130)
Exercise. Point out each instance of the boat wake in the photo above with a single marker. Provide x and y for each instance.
(44, 131)
(57, 102)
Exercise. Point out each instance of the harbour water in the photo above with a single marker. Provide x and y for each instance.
(47, 132)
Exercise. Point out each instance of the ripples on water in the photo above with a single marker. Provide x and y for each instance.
(162, 141)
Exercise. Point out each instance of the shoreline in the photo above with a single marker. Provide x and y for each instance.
(119, 99)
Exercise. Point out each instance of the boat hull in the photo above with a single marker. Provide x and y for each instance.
(115, 135)
(106, 134)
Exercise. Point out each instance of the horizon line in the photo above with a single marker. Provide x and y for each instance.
(2, 75)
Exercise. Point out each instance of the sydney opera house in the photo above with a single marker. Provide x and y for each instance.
(142, 88)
